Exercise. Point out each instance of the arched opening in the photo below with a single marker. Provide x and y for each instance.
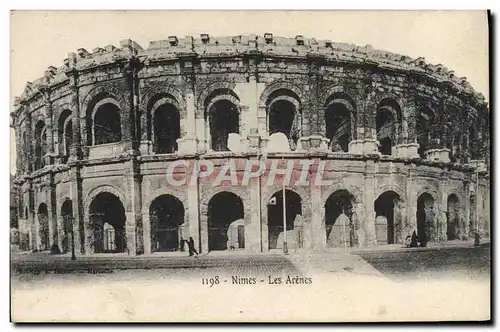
(43, 223)
(293, 217)
(166, 214)
(67, 219)
(452, 218)
(40, 144)
(225, 210)
(339, 226)
(281, 118)
(224, 120)
(425, 218)
(65, 133)
(284, 115)
(388, 122)
(425, 122)
(107, 224)
(338, 128)
(106, 126)
(388, 228)
(166, 128)
(68, 137)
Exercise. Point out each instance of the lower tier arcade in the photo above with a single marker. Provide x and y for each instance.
(128, 205)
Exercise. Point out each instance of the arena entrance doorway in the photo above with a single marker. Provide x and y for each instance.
(338, 220)
(107, 222)
(425, 218)
(294, 223)
(167, 218)
(387, 221)
(43, 220)
(226, 225)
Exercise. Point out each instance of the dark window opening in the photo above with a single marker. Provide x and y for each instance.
(107, 125)
(166, 129)
(65, 134)
(281, 118)
(385, 123)
(224, 119)
(40, 144)
(338, 127)
(423, 128)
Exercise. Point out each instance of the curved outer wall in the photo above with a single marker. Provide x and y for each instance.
(58, 162)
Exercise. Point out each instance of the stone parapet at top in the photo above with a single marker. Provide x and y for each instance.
(205, 45)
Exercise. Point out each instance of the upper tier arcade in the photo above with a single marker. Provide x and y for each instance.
(186, 96)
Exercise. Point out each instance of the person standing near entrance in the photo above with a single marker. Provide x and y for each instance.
(192, 250)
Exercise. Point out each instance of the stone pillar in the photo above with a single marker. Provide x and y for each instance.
(146, 144)
(203, 227)
(193, 213)
(411, 202)
(187, 143)
(317, 218)
(467, 214)
(76, 146)
(49, 157)
(52, 230)
(133, 212)
(78, 213)
(399, 222)
(408, 147)
(252, 207)
(146, 233)
(442, 213)
(262, 122)
(127, 113)
(370, 142)
(28, 153)
(60, 231)
(32, 219)
(369, 200)
(19, 149)
(356, 145)
(51, 216)
(131, 234)
(37, 228)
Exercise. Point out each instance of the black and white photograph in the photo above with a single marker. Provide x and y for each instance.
(250, 166)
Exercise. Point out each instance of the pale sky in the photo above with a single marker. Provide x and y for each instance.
(456, 39)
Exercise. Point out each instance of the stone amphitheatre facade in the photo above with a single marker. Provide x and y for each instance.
(406, 143)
